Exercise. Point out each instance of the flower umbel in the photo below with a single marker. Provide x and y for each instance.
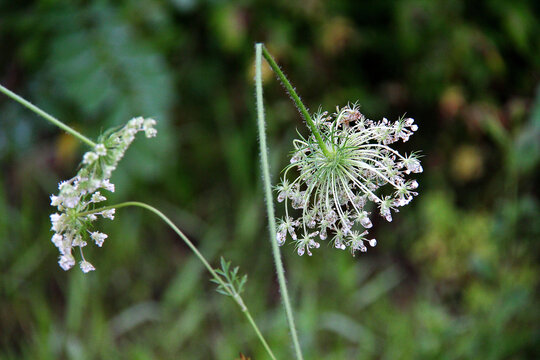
(77, 199)
(335, 184)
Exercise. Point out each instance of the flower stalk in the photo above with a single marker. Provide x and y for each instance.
(46, 116)
(290, 89)
(224, 286)
(259, 50)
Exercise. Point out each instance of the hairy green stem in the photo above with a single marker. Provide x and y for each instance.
(295, 98)
(269, 199)
(47, 117)
(236, 297)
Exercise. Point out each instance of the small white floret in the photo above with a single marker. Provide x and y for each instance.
(57, 222)
(109, 214)
(57, 240)
(55, 200)
(107, 185)
(97, 197)
(66, 261)
(89, 157)
(87, 267)
(98, 237)
(101, 150)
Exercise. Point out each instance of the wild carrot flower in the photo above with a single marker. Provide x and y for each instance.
(78, 197)
(333, 185)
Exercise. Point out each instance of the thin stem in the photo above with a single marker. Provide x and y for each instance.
(269, 201)
(295, 98)
(47, 117)
(236, 297)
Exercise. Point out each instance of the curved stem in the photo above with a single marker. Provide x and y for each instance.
(295, 98)
(47, 117)
(269, 201)
(236, 297)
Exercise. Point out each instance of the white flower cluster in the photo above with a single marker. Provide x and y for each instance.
(77, 199)
(334, 185)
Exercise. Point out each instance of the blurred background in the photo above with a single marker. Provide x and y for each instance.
(455, 276)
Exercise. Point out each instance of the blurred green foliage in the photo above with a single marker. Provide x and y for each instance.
(455, 276)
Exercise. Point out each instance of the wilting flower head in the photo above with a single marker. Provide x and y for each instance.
(335, 184)
(77, 199)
